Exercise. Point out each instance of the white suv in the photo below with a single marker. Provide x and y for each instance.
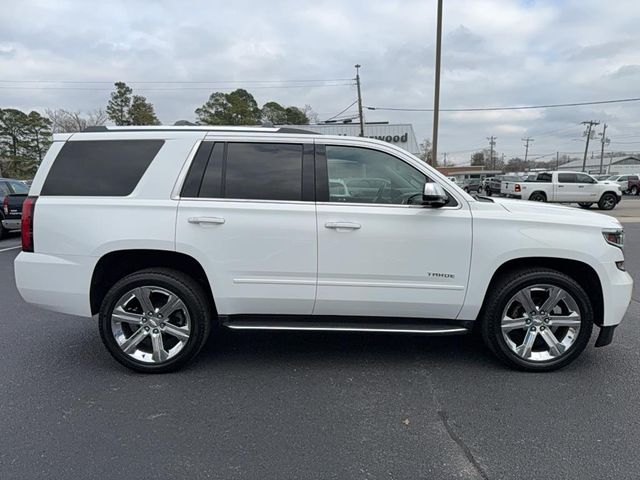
(165, 232)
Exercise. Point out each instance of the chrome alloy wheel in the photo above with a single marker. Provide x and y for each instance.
(541, 322)
(150, 324)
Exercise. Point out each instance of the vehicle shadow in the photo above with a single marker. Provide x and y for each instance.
(340, 348)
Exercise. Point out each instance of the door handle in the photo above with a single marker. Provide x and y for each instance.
(206, 220)
(560, 186)
(580, 186)
(342, 225)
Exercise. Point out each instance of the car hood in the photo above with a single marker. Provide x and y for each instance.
(554, 213)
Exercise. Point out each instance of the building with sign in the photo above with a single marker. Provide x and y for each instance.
(399, 134)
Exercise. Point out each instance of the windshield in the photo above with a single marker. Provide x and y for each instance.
(19, 188)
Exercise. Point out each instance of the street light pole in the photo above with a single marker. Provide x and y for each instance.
(436, 93)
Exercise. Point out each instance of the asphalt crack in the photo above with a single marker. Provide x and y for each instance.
(457, 439)
(444, 418)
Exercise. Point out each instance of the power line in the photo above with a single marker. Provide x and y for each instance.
(153, 89)
(179, 81)
(495, 109)
(342, 111)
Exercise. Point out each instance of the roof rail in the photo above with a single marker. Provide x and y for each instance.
(205, 128)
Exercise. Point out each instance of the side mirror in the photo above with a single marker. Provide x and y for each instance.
(434, 195)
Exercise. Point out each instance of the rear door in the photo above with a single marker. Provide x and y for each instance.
(566, 188)
(247, 213)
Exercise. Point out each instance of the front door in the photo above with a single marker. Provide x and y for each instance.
(379, 253)
(246, 213)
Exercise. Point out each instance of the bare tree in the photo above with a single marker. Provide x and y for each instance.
(64, 121)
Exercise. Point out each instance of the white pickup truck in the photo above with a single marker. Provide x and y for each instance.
(569, 187)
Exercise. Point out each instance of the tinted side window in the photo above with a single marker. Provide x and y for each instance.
(192, 182)
(4, 189)
(263, 171)
(567, 178)
(582, 178)
(100, 167)
(211, 186)
(543, 177)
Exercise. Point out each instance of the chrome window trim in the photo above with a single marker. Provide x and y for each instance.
(389, 205)
(246, 200)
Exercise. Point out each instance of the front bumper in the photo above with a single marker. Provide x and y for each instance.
(617, 286)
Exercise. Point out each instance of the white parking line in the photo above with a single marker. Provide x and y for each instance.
(10, 248)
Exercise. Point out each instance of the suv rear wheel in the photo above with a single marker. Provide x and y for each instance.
(537, 320)
(155, 320)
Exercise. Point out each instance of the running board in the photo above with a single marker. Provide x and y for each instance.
(345, 324)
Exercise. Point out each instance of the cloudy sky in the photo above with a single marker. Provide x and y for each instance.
(495, 53)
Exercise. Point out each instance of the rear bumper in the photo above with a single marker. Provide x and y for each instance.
(11, 224)
(60, 283)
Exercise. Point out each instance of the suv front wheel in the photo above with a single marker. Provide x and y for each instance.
(155, 320)
(537, 320)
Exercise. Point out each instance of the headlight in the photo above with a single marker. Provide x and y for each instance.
(614, 237)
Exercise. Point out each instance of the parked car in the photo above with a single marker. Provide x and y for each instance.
(190, 227)
(623, 181)
(473, 185)
(633, 185)
(12, 194)
(570, 187)
(494, 185)
(601, 177)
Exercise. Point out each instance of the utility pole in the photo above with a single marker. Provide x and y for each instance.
(436, 89)
(604, 140)
(357, 65)
(492, 143)
(526, 149)
(444, 159)
(590, 124)
(557, 160)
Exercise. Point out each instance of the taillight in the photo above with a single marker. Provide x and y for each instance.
(517, 187)
(26, 225)
(5, 205)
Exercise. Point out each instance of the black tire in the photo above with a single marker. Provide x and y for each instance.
(585, 205)
(633, 190)
(488, 192)
(187, 289)
(608, 201)
(466, 189)
(538, 197)
(504, 289)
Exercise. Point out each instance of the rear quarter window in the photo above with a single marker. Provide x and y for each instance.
(110, 168)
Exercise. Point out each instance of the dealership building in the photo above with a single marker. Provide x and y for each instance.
(399, 134)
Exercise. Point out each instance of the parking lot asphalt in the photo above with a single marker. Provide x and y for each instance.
(302, 405)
